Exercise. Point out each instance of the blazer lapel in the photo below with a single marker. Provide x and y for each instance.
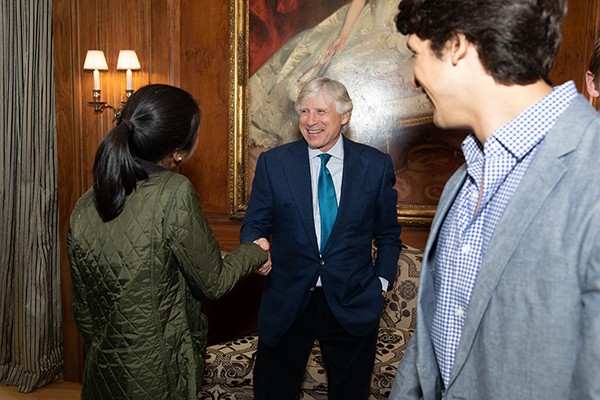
(450, 192)
(542, 176)
(427, 362)
(297, 170)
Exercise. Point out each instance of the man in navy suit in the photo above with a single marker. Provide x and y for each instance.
(328, 289)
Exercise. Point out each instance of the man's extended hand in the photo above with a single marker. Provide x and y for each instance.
(266, 246)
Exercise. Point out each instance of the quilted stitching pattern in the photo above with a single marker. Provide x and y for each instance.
(141, 323)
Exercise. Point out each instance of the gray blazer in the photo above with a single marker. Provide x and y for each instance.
(533, 325)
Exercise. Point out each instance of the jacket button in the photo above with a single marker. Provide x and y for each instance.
(322, 262)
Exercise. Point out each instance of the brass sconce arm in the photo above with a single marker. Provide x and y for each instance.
(100, 106)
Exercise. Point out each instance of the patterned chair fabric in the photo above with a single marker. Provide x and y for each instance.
(228, 371)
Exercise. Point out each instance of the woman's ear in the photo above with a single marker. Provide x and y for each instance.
(590, 83)
(173, 160)
(178, 156)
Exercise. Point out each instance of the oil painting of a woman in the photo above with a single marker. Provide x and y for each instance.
(359, 45)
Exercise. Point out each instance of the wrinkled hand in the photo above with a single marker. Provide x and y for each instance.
(266, 246)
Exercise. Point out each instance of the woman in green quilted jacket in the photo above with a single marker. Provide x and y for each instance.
(142, 255)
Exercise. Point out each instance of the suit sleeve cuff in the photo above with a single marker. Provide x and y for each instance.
(385, 284)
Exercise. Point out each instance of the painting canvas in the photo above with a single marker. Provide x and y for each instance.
(278, 45)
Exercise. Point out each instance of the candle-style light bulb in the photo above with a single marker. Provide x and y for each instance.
(96, 79)
(96, 61)
(128, 61)
(129, 80)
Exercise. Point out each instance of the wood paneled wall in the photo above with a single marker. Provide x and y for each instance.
(183, 43)
(581, 27)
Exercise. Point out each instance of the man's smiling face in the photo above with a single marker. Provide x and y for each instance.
(320, 122)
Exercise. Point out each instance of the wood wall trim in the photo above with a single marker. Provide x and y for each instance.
(580, 28)
(68, 179)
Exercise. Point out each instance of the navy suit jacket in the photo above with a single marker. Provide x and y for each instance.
(281, 205)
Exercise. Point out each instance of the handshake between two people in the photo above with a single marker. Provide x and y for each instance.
(266, 246)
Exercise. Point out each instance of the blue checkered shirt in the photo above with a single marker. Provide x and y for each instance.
(498, 165)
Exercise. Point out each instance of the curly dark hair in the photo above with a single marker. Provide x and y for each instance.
(517, 40)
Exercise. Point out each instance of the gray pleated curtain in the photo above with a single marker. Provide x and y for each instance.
(30, 311)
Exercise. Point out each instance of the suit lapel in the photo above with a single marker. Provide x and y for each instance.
(545, 171)
(297, 170)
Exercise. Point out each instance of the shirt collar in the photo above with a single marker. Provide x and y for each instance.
(337, 151)
(521, 134)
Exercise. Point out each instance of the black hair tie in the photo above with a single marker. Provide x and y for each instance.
(128, 124)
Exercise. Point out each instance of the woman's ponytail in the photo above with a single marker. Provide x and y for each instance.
(115, 171)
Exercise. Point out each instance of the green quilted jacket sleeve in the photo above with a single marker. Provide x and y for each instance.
(197, 251)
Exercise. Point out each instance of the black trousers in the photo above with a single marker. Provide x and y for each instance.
(349, 360)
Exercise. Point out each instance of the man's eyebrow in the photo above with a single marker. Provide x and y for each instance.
(314, 108)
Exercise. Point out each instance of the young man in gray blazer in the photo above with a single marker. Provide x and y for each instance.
(509, 296)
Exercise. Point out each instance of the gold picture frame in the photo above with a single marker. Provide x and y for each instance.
(424, 156)
(238, 107)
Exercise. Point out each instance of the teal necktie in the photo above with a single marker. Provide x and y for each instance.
(327, 202)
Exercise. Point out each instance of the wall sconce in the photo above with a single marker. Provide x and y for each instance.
(128, 60)
(95, 60)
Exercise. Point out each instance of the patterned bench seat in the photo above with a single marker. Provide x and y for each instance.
(228, 371)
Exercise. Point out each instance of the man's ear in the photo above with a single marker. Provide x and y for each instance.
(590, 84)
(458, 47)
(345, 118)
